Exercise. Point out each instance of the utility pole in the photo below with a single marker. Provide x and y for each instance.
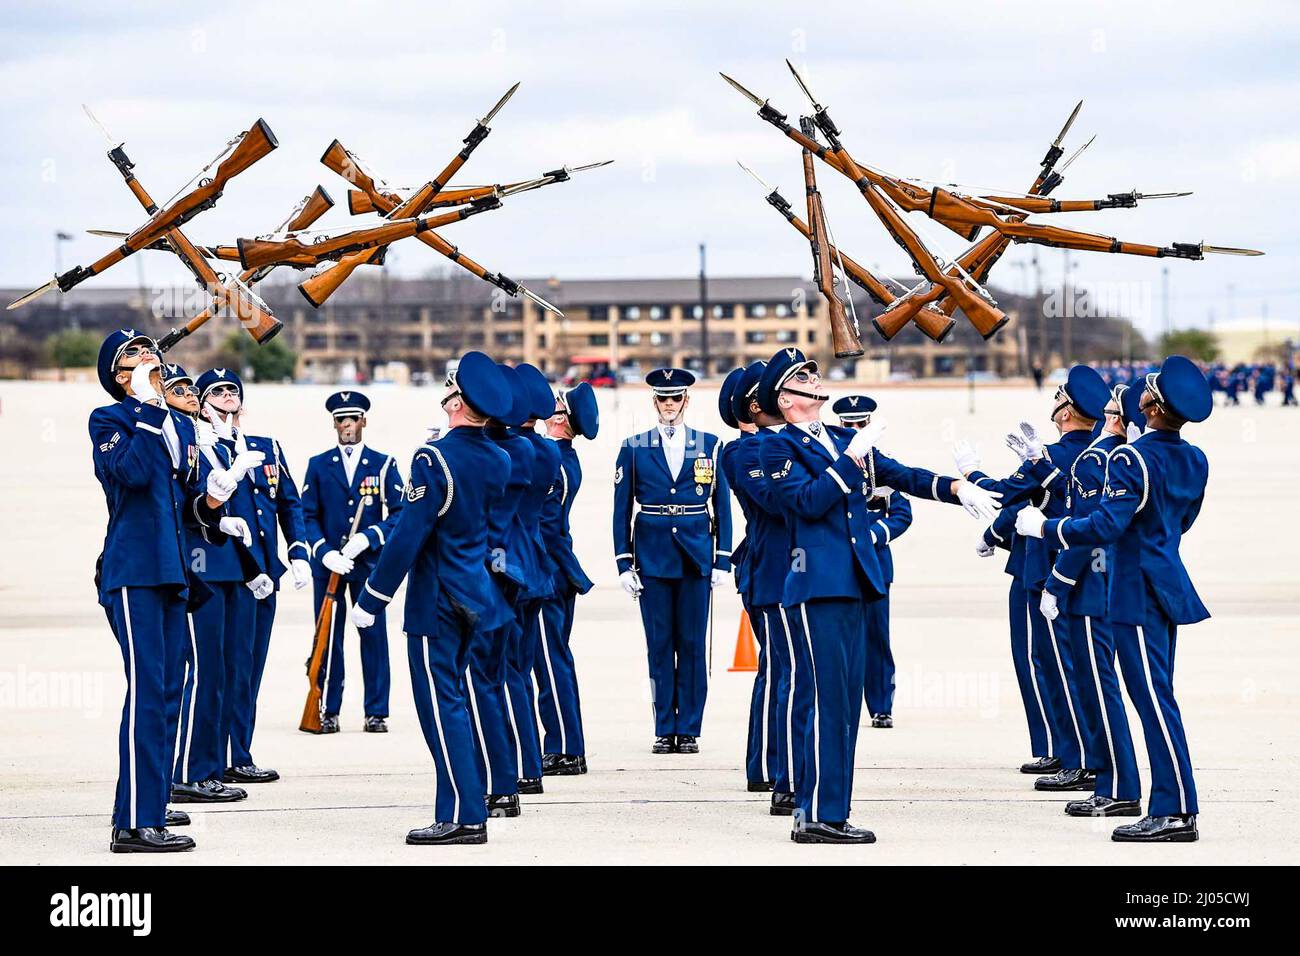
(1042, 314)
(704, 314)
(1067, 311)
(1164, 297)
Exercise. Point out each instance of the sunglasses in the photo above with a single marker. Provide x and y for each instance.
(806, 377)
(449, 397)
(340, 419)
(222, 390)
(131, 351)
(180, 391)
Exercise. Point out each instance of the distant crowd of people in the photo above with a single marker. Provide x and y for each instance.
(1231, 381)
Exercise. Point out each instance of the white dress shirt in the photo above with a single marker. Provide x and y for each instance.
(824, 436)
(674, 447)
(350, 455)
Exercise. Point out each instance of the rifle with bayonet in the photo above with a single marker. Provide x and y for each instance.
(844, 332)
(164, 223)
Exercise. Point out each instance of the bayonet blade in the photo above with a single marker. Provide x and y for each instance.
(539, 300)
(94, 119)
(500, 103)
(757, 177)
(1162, 195)
(1219, 250)
(34, 294)
(580, 169)
(1075, 154)
(803, 86)
(1068, 123)
(744, 92)
(107, 233)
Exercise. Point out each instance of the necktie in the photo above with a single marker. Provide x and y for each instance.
(347, 450)
(815, 428)
(670, 431)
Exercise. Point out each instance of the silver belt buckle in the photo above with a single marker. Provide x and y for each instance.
(676, 509)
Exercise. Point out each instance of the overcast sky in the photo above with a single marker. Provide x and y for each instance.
(1185, 95)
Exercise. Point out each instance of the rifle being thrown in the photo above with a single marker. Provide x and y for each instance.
(844, 331)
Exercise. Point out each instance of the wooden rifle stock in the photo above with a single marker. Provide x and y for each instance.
(844, 332)
(360, 202)
(311, 711)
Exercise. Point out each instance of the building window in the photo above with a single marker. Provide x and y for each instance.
(755, 338)
(785, 335)
(632, 312)
(697, 311)
(630, 338)
(657, 338)
(601, 339)
(757, 311)
(781, 310)
(656, 312)
(719, 312)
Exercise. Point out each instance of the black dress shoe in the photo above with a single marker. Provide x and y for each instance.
(664, 745)
(1068, 780)
(759, 786)
(503, 805)
(149, 840)
(249, 774)
(376, 725)
(1041, 765)
(446, 834)
(1098, 806)
(831, 833)
(329, 724)
(176, 818)
(882, 721)
(530, 785)
(563, 765)
(782, 804)
(206, 791)
(1158, 830)
(687, 744)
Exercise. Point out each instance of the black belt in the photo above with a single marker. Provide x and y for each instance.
(674, 509)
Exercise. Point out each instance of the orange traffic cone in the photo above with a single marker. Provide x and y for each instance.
(746, 647)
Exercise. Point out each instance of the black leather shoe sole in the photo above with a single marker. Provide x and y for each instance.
(1176, 836)
(458, 839)
(234, 776)
(572, 767)
(777, 810)
(759, 786)
(1040, 767)
(531, 786)
(132, 846)
(810, 836)
(1083, 783)
(1122, 808)
(177, 818)
(204, 796)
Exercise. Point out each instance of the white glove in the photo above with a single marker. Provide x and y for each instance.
(246, 462)
(205, 434)
(866, 439)
(717, 578)
(1033, 443)
(984, 549)
(337, 563)
(354, 546)
(1029, 522)
(220, 485)
(241, 443)
(966, 457)
(224, 427)
(978, 502)
(631, 583)
(301, 571)
(1132, 432)
(261, 586)
(1047, 604)
(361, 617)
(882, 491)
(237, 528)
(142, 389)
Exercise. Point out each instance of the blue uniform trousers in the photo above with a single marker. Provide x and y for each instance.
(761, 745)
(1109, 743)
(262, 624)
(151, 629)
(827, 706)
(201, 743)
(437, 683)
(375, 673)
(522, 650)
(496, 753)
(675, 614)
(1024, 656)
(558, 704)
(787, 661)
(1056, 675)
(879, 689)
(1146, 656)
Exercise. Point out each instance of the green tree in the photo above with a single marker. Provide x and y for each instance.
(272, 362)
(1194, 343)
(72, 348)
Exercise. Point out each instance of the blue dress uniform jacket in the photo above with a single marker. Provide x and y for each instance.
(893, 517)
(1154, 490)
(556, 531)
(740, 554)
(671, 545)
(275, 501)
(543, 487)
(512, 550)
(1079, 580)
(767, 552)
(329, 503)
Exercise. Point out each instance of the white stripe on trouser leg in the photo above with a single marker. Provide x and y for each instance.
(1160, 715)
(130, 693)
(550, 678)
(1033, 679)
(177, 750)
(478, 728)
(789, 701)
(191, 678)
(442, 741)
(1101, 705)
(767, 695)
(816, 721)
(1069, 701)
(514, 726)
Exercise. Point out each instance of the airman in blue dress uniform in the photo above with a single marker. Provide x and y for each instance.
(824, 477)
(564, 747)
(442, 544)
(671, 552)
(142, 461)
(338, 482)
(1154, 490)
(893, 513)
(1043, 479)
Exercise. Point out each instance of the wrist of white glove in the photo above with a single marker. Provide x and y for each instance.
(631, 583)
(1032, 440)
(261, 586)
(301, 571)
(354, 546)
(1047, 604)
(984, 549)
(246, 462)
(361, 617)
(220, 485)
(237, 528)
(224, 426)
(717, 577)
(866, 438)
(337, 563)
(978, 502)
(1029, 522)
(142, 389)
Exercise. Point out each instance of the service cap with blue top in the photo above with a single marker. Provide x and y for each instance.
(1087, 391)
(780, 368)
(519, 396)
(1129, 397)
(669, 382)
(1180, 386)
(173, 373)
(349, 404)
(854, 408)
(216, 377)
(584, 414)
(746, 389)
(480, 383)
(726, 394)
(541, 400)
(110, 353)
